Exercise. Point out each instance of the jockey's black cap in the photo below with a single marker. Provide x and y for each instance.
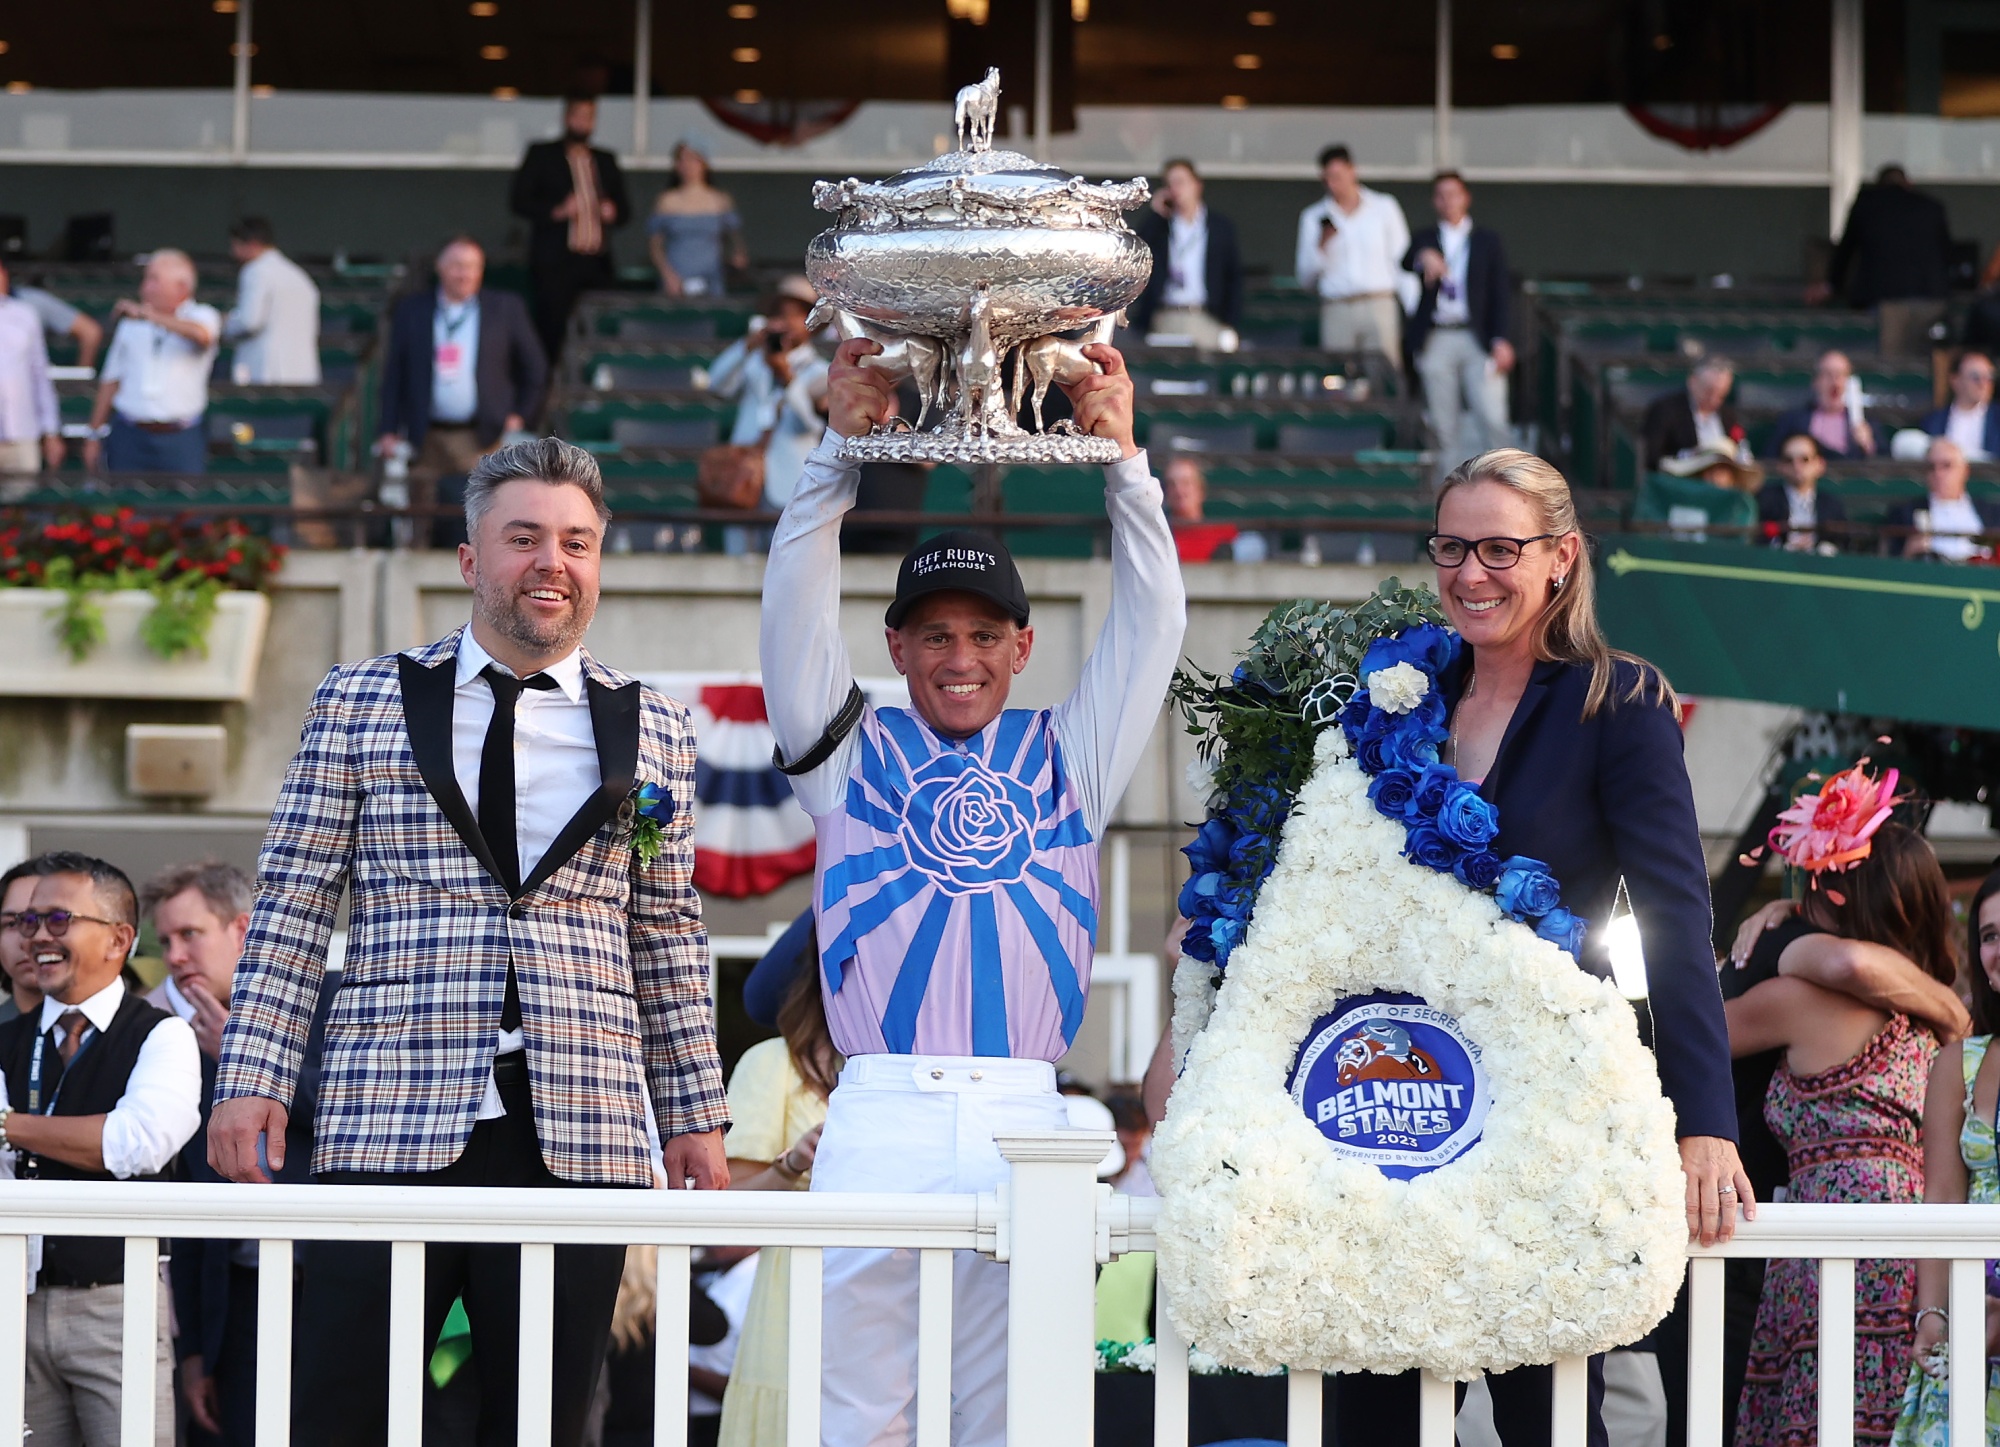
(960, 561)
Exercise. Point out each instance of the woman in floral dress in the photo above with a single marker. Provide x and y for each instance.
(1847, 1104)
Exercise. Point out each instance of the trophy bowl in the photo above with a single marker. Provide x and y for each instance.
(982, 274)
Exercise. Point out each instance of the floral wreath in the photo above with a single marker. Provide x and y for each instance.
(1341, 865)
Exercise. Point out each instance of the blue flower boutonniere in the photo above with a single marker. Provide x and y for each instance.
(646, 811)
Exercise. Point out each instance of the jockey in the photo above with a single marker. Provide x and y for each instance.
(956, 881)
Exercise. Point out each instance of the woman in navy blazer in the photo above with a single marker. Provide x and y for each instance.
(1580, 750)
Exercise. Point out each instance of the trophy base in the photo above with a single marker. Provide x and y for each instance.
(1031, 447)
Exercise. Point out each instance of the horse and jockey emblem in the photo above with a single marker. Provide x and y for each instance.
(1381, 1050)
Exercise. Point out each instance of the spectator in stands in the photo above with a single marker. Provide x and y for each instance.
(630, 1366)
(1682, 422)
(101, 1086)
(275, 324)
(30, 420)
(1196, 539)
(1948, 519)
(1458, 332)
(1972, 421)
(17, 966)
(726, 1277)
(776, 377)
(1719, 465)
(692, 225)
(463, 369)
(1833, 414)
(1894, 255)
(1135, 1139)
(1351, 247)
(152, 393)
(58, 318)
(1196, 288)
(571, 194)
(1791, 508)
(201, 913)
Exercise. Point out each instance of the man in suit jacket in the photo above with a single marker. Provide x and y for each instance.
(1971, 420)
(526, 969)
(1196, 288)
(1826, 416)
(1697, 417)
(1458, 333)
(463, 369)
(1948, 518)
(1894, 255)
(1791, 508)
(571, 194)
(201, 913)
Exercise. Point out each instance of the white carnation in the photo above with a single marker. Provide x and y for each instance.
(1398, 688)
(1201, 777)
(1272, 1248)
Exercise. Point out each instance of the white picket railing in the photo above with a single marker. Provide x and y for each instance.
(1052, 1222)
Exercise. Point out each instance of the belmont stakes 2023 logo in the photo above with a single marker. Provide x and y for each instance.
(1392, 1081)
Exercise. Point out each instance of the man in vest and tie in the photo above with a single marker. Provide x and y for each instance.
(101, 1086)
(527, 972)
(956, 881)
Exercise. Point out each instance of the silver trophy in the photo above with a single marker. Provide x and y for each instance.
(959, 268)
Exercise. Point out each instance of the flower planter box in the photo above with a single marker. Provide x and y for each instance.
(34, 664)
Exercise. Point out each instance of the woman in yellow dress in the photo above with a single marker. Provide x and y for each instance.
(777, 1103)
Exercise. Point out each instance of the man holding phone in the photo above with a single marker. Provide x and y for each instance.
(777, 379)
(1351, 247)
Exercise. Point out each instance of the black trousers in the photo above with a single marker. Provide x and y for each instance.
(1382, 1411)
(236, 1372)
(340, 1375)
(558, 280)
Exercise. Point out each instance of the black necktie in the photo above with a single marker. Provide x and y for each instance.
(496, 798)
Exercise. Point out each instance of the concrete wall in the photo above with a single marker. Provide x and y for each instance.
(1550, 230)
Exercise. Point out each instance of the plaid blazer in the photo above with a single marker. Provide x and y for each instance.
(611, 960)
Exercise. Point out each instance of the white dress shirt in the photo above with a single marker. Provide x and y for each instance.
(1954, 522)
(1455, 241)
(161, 1107)
(1708, 429)
(455, 360)
(1967, 427)
(1364, 257)
(275, 324)
(162, 376)
(555, 769)
(1187, 261)
(28, 407)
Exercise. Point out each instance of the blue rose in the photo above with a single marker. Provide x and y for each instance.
(1430, 848)
(1223, 935)
(1432, 786)
(967, 828)
(1526, 889)
(1478, 870)
(1561, 927)
(1356, 713)
(653, 802)
(1247, 854)
(1199, 889)
(1197, 944)
(1429, 715)
(1209, 849)
(1425, 646)
(1395, 793)
(1466, 819)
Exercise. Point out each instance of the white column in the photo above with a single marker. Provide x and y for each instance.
(1044, 71)
(239, 129)
(642, 75)
(1441, 106)
(1843, 115)
(1051, 1235)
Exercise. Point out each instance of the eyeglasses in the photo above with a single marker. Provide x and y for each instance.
(28, 921)
(1497, 554)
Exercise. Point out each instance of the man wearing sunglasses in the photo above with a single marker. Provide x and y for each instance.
(1791, 508)
(101, 1086)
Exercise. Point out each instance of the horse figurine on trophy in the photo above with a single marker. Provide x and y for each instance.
(976, 110)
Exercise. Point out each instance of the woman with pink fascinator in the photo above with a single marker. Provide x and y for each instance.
(1846, 1095)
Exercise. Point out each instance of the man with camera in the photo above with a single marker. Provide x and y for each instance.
(778, 381)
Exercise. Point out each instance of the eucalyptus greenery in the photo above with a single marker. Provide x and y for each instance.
(1257, 725)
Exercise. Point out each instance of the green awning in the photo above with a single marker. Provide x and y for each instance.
(1914, 641)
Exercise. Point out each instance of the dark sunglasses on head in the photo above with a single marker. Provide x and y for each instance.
(1497, 554)
(57, 921)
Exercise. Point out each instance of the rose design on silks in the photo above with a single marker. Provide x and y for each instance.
(966, 827)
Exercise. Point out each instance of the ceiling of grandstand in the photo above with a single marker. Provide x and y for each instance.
(1133, 52)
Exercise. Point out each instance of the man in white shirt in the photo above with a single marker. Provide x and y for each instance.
(1351, 246)
(152, 392)
(30, 423)
(101, 1086)
(1948, 519)
(1970, 420)
(275, 323)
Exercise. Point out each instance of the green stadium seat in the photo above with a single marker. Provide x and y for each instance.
(1675, 500)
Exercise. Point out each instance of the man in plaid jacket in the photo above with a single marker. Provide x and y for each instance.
(526, 971)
